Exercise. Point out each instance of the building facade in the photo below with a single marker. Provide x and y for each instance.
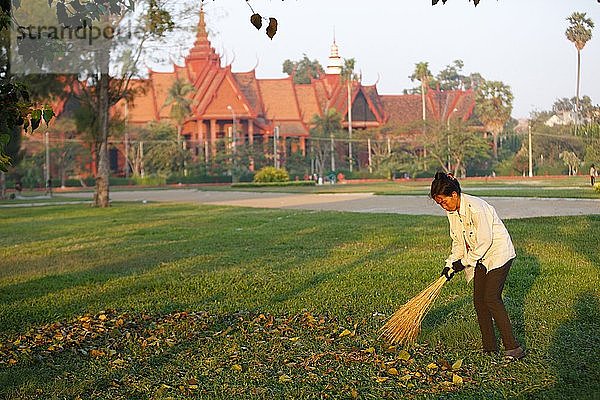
(231, 106)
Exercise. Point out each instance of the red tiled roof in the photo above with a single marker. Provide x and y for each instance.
(375, 100)
(292, 128)
(406, 109)
(307, 99)
(249, 86)
(279, 99)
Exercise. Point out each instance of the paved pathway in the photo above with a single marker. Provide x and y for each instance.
(507, 207)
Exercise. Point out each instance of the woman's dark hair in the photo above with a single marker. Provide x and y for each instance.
(444, 184)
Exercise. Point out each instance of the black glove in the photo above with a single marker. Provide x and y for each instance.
(457, 266)
(448, 273)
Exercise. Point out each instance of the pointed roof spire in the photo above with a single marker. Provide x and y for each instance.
(202, 48)
(334, 65)
(202, 33)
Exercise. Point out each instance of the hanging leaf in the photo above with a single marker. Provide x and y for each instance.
(36, 117)
(272, 28)
(256, 20)
(47, 114)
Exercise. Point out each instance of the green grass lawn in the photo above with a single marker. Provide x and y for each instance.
(563, 187)
(183, 301)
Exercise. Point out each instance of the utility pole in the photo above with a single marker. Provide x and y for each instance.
(126, 154)
(234, 178)
(530, 160)
(47, 143)
(350, 124)
(332, 152)
(276, 147)
(369, 149)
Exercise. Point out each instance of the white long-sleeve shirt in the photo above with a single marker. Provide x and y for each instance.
(478, 234)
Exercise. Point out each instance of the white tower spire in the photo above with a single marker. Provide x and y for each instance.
(334, 65)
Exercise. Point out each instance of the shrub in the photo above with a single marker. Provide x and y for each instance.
(151, 180)
(271, 174)
(597, 187)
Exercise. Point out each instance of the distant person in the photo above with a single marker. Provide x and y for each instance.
(482, 247)
(593, 174)
(49, 187)
(18, 188)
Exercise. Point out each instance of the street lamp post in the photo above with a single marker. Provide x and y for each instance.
(233, 146)
(529, 152)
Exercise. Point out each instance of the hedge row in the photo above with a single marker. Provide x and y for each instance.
(271, 184)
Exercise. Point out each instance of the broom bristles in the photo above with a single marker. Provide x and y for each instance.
(404, 326)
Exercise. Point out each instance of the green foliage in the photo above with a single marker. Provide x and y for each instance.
(297, 165)
(324, 129)
(179, 100)
(18, 111)
(579, 30)
(271, 174)
(450, 78)
(272, 184)
(304, 70)
(152, 180)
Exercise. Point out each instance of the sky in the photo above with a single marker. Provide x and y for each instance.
(519, 42)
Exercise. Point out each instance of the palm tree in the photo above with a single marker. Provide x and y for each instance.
(349, 76)
(422, 74)
(181, 107)
(180, 102)
(325, 127)
(579, 32)
(493, 104)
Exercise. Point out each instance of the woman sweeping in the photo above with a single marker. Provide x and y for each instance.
(482, 247)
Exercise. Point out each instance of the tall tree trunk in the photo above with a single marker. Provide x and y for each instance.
(332, 150)
(578, 78)
(423, 99)
(495, 144)
(101, 198)
(3, 185)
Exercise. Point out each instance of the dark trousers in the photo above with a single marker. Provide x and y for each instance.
(487, 297)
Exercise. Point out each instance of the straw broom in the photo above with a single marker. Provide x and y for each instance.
(404, 326)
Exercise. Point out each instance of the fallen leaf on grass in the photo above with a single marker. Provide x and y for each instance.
(236, 367)
(345, 332)
(370, 350)
(432, 366)
(404, 355)
(96, 353)
(284, 379)
(457, 380)
(457, 364)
